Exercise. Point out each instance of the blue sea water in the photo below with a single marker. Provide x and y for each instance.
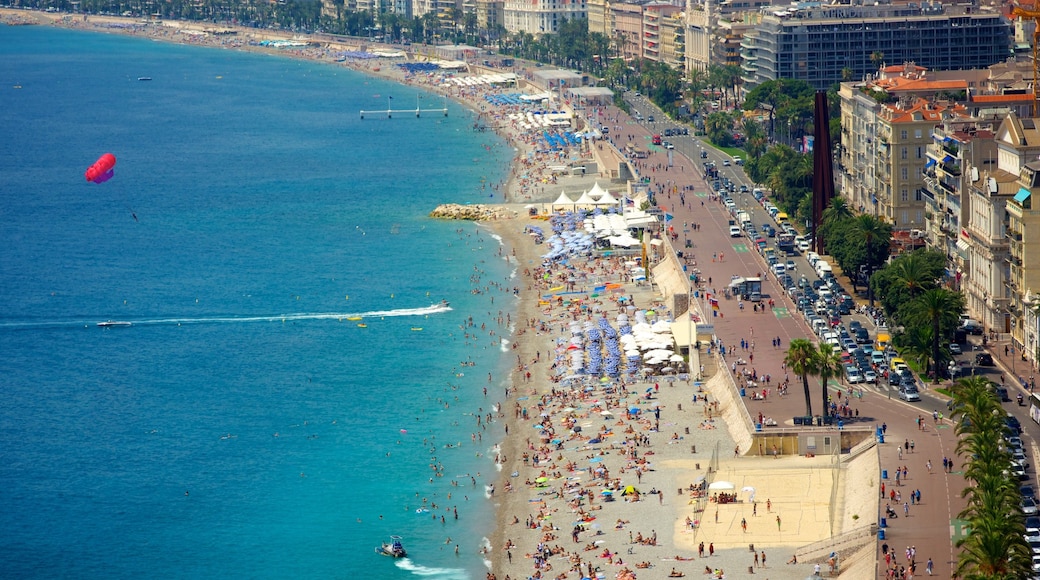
(242, 426)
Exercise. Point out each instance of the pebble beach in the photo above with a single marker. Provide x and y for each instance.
(604, 476)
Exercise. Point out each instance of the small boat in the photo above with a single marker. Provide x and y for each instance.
(362, 325)
(416, 328)
(144, 78)
(353, 318)
(393, 548)
(113, 323)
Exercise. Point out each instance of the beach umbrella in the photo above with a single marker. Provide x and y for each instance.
(541, 480)
(721, 486)
(605, 413)
(595, 460)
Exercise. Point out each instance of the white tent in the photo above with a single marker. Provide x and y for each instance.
(585, 200)
(606, 199)
(562, 201)
(596, 192)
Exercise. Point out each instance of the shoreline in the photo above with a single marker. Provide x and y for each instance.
(664, 465)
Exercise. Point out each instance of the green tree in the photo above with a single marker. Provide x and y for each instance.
(939, 309)
(905, 278)
(995, 548)
(827, 365)
(800, 358)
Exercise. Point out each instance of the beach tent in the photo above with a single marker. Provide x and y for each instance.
(563, 202)
(630, 490)
(721, 486)
(596, 192)
(585, 201)
(606, 199)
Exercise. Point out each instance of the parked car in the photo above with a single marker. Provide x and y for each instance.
(984, 359)
(954, 348)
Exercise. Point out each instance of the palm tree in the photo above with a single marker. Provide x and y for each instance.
(937, 307)
(838, 211)
(912, 274)
(799, 358)
(876, 58)
(996, 547)
(828, 365)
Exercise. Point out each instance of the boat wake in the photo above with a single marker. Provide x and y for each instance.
(289, 317)
(427, 572)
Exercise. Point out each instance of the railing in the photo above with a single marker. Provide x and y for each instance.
(849, 541)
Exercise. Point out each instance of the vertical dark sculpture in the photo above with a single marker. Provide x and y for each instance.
(823, 168)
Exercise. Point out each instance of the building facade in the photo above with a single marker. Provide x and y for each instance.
(817, 43)
(541, 16)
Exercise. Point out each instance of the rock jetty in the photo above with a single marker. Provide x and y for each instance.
(478, 212)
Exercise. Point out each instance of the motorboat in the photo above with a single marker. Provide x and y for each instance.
(394, 548)
(114, 323)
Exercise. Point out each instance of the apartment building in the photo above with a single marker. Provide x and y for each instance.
(816, 43)
(541, 16)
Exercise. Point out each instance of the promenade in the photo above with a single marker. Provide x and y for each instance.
(931, 526)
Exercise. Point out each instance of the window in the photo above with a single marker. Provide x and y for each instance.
(905, 173)
(904, 195)
(917, 133)
(902, 153)
(902, 134)
(920, 152)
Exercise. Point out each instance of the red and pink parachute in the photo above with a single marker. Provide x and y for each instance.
(103, 169)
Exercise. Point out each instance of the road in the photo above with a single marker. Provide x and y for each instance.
(932, 526)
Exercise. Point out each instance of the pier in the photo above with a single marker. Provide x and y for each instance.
(417, 111)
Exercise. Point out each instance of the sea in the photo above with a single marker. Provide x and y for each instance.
(305, 367)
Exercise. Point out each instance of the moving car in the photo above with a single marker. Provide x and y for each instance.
(908, 392)
(734, 232)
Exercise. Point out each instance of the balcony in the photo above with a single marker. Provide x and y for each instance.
(952, 169)
(951, 149)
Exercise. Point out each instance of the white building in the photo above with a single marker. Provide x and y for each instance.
(541, 16)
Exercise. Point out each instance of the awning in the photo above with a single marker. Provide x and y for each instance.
(962, 245)
(947, 158)
(1022, 195)
(930, 164)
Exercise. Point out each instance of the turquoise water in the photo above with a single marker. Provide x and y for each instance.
(242, 426)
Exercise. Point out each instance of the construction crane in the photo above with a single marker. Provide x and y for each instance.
(1034, 15)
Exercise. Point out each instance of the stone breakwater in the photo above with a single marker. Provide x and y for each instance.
(479, 212)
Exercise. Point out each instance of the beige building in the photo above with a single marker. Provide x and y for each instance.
(628, 29)
(984, 282)
(1024, 245)
(673, 40)
(599, 17)
(904, 132)
(654, 16)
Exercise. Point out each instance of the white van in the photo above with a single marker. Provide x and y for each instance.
(812, 257)
(823, 268)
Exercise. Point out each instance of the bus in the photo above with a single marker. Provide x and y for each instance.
(1034, 407)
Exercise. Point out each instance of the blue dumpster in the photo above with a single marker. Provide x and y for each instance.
(742, 392)
(881, 534)
(884, 474)
(884, 522)
(758, 427)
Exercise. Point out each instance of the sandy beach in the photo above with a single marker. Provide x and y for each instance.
(609, 477)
